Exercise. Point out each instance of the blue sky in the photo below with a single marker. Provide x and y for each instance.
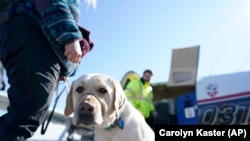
(140, 34)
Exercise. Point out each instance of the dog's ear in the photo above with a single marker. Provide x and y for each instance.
(69, 102)
(119, 98)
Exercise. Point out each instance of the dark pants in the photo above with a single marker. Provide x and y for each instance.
(33, 70)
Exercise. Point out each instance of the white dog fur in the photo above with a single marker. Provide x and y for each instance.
(97, 100)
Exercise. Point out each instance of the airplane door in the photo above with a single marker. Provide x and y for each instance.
(186, 109)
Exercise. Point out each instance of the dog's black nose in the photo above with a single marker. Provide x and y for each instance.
(86, 108)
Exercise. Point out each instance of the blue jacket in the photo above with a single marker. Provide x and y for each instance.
(59, 21)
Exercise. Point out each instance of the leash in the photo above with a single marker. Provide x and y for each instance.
(44, 127)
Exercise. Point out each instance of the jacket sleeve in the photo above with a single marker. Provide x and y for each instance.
(131, 91)
(59, 19)
(152, 107)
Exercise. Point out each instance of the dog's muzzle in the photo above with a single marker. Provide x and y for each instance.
(86, 113)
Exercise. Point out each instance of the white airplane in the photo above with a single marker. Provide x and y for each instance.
(222, 99)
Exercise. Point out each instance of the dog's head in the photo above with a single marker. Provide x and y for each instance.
(95, 100)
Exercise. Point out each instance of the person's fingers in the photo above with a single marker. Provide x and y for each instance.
(74, 58)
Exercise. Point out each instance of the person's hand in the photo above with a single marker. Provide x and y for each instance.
(154, 113)
(61, 78)
(73, 51)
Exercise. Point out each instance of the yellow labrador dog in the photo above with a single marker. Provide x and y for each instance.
(98, 101)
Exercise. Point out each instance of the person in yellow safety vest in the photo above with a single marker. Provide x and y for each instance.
(140, 94)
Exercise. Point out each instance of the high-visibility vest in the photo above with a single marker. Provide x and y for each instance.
(140, 96)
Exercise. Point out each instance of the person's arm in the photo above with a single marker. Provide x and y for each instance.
(60, 21)
(58, 17)
(152, 106)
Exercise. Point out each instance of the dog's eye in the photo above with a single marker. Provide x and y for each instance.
(102, 90)
(80, 89)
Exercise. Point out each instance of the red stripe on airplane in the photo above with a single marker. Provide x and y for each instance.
(224, 97)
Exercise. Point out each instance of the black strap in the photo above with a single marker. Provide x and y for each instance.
(43, 129)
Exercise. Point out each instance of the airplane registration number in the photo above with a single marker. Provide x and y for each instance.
(235, 112)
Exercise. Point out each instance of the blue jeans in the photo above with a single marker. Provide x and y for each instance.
(33, 70)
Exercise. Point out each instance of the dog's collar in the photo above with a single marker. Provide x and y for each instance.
(118, 122)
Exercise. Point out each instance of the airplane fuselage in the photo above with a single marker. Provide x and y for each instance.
(227, 110)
